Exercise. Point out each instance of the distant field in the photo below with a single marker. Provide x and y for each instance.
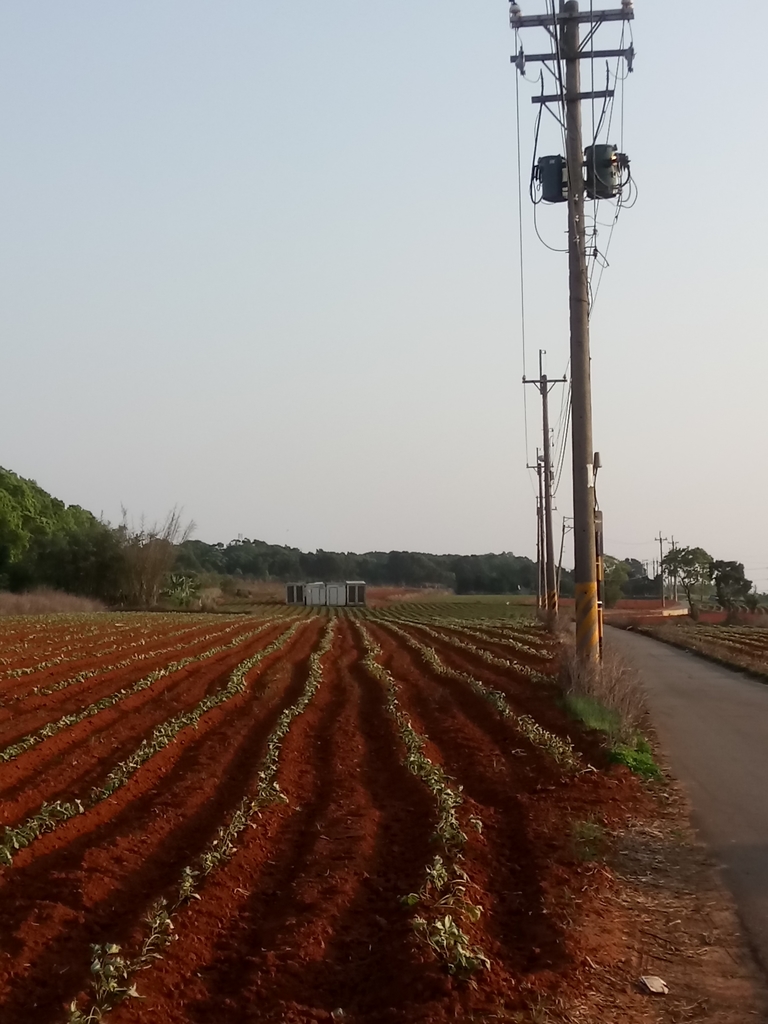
(361, 809)
(744, 647)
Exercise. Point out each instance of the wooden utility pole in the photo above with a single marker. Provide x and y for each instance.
(674, 574)
(544, 386)
(585, 556)
(562, 549)
(661, 568)
(541, 543)
(564, 28)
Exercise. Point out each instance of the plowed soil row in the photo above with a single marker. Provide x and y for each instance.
(306, 919)
(96, 632)
(35, 710)
(535, 699)
(94, 877)
(101, 638)
(81, 756)
(499, 650)
(11, 690)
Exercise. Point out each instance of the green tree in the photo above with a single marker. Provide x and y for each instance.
(690, 566)
(615, 573)
(731, 583)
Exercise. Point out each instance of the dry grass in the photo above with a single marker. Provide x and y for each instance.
(611, 687)
(47, 602)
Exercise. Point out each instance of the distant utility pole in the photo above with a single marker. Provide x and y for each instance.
(544, 386)
(566, 528)
(661, 540)
(674, 574)
(541, 571)
(564, 28)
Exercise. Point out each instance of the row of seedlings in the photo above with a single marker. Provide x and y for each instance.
(85, 646)
(443, 907)
(51, 815)
(506, 641)
(112, 970)
(491, 659)
(127, 662)
(26, 743)
(559, 749)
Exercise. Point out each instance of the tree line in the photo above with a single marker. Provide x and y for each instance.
(44, 542)
(504, 573)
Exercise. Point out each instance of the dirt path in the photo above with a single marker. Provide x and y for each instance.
(713, 724)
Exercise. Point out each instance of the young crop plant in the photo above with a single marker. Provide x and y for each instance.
(442, 899)
(162, 735)
(26, 743)
(560, 750)
(111, 971)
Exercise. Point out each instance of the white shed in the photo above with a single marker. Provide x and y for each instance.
(294, 593)
(315, 594)
(336, 594)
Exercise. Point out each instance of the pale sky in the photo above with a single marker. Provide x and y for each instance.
(259, 259)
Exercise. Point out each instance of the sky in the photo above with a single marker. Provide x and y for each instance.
(259, 260)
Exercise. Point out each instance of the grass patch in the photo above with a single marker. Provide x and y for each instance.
(638, 758)
(593, 714)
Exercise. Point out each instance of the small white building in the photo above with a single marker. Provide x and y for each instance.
(335, 595)
(315, 594)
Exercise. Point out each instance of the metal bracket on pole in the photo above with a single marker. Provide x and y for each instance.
(563, 17)
(600, 95)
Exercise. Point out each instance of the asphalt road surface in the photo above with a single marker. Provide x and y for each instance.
(713, 725)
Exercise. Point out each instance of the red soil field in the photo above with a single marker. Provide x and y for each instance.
(303, 919)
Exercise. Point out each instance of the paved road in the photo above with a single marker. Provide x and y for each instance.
(713, 725)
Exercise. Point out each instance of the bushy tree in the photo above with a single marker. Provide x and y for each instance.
(731, 583)
(690, 566)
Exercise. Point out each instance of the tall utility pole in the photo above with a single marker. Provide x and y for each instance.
(565, 29)
(585, 555)
(544, 386)
(541, 559)
(661, 567)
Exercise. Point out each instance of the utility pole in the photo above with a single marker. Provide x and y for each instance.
(562, 548)
(565, 29)
(674, 574)
(661, 568)
(541, 572)
(585, 555)
(544, 386)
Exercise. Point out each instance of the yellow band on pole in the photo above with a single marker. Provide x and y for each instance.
(587, 623)
(552, 600)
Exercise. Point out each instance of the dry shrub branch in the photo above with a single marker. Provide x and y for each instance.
(149, 553)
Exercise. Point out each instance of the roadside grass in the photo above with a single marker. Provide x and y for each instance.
(608, 699)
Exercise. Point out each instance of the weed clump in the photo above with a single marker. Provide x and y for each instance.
(607, 697)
